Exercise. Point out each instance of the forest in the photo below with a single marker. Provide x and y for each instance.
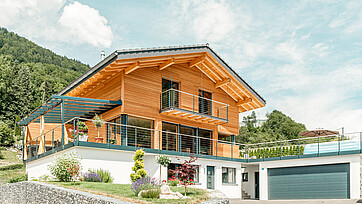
(29, 74)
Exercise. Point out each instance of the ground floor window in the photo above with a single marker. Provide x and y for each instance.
(177, 137)
(139, 137)
(228, 175)
(173, 167)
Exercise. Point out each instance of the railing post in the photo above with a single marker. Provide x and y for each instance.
(30, 153)
(62, 118)
(281, 150)
(263, 151)
(77, 131)
(299, 148)
(44, 146)
(227, 112)
(108, 135)
(193, 103)
(216, 147)
(318, 146)
(135, 137)
(159, 140)
(232, 146)
(53, 141)
(36, 148)
(247, 151)
(339, 145)
(169, 98)
(74, 139)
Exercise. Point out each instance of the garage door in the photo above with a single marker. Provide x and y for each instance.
(309, 182)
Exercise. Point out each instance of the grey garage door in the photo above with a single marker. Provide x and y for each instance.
(309, 182)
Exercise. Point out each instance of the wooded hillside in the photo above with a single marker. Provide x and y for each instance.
(30, 74)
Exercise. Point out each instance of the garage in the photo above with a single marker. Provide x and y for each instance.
(310, 182)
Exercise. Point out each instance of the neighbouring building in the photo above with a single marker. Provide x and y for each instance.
(177, 101)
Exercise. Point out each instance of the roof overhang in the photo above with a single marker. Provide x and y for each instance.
(199, 56)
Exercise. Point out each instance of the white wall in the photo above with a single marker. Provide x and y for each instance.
(249, 186)
(354, 161)
(120, 163)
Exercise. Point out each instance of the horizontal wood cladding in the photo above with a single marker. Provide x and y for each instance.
(143, 87)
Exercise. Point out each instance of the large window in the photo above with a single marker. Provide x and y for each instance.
(173, 166)
(228, 175)
(139, 137)
(169, 136)
(205, 142)
(170, 98)
(114, 131)
(205, 104)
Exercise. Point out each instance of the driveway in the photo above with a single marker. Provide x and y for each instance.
(317, 201)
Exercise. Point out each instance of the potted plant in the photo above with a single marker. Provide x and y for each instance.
(83, 132)
(113, 141)
(98, 122)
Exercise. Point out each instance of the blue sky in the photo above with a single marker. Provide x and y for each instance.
(303, 57)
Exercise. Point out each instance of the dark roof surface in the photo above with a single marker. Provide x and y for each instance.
(157, 51)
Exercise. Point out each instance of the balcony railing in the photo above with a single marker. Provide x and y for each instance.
(118, 136)
(113, 135)
(186, 105)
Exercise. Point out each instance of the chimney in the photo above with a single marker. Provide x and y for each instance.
(102, 55)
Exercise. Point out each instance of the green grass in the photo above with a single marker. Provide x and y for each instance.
(124, 192)
(9, 159)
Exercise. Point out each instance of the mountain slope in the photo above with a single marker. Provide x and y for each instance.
(29, 74)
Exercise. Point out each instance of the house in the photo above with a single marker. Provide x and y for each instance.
(172, 100)
(176, 101)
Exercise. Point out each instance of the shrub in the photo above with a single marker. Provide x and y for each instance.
(105, 175)
(151, 193)
(144, 183)
(138, 167)
(11, 167)
(6, 135)
(65, 167)
(91, 177)
(19, 178)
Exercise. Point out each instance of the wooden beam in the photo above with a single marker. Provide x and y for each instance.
(216, 65)
(222, 83)
(211, 70)
(208, 75)
(246, 100)
(197, 61)
(133, 67)
(167, 64)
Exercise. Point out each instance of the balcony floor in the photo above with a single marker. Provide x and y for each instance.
(192, 115)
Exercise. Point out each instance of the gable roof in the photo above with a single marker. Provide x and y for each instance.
(125, 54)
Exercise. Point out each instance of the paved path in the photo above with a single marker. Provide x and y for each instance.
(325, 201)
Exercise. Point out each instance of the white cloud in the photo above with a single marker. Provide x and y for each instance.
(86, 24)
(207, 21)
(55, 21)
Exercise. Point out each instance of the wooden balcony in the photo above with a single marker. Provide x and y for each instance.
(192, 107)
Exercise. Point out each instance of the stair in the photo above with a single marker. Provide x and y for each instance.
(245, 196)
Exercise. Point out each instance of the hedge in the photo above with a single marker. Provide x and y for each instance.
(11, 167)
(275, 152)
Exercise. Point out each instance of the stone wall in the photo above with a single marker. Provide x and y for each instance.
(37, 192)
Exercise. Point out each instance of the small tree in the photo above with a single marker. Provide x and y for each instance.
(98, 122)
(66, 167)
(6, 135)
(138, 167)
(186, 172)
(164, 161)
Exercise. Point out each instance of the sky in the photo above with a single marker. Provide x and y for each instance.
(303, 57)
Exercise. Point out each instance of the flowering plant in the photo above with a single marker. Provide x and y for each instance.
(186, 172)
(91, 177)
(145, 183)
(66, 167)
(173, 181)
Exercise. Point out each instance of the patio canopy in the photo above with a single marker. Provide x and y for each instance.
(317, 133)
(59, 109)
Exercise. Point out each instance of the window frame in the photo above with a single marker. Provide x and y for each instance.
(227, 175)
(245, 177)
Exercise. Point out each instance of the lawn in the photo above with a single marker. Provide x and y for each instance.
(10, 157)
(124, 192)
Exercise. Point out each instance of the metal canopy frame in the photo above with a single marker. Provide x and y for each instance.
(58, 109)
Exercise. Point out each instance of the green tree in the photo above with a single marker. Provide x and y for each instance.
(6, 135)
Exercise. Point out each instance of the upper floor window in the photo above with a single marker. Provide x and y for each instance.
(228, 175)
(205, 104)
(170, 98)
